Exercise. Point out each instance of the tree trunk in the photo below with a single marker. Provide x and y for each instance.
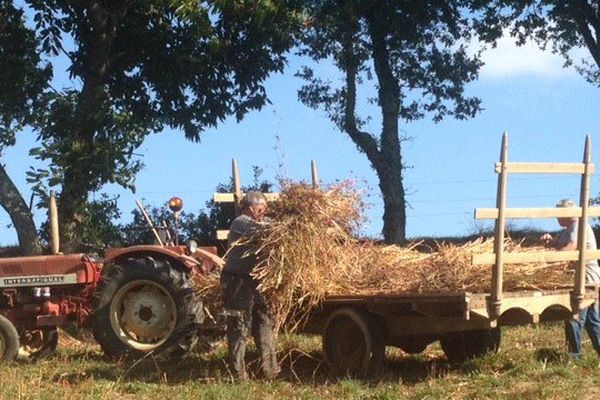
(394, 214)
(79, 175)
(71, 206)
(389, 163)
(384, 155)
(20, 215)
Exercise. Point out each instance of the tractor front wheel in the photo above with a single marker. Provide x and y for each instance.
(146, 306)
(9, 340)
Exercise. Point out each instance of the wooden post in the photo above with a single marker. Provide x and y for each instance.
(237, 187)
(54, 236)
(314, 174)
(498, 271)
(579, 289)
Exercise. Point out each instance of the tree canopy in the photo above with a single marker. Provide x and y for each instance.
(138, 67)
(23, 79)
(416, 54)
(560, 25)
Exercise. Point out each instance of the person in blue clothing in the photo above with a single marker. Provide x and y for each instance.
(589, 317)
(246, 308)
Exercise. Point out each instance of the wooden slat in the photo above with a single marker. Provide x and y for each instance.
(544, 168)
(554, 212)
(537, 257)
(223, 197)
(230, 198)
(534, 305)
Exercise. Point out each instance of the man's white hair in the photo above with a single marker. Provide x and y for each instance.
(564, 203)
(253, 198)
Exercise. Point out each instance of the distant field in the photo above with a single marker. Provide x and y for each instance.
(531, 365)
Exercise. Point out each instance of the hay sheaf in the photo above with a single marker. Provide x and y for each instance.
(310, 251)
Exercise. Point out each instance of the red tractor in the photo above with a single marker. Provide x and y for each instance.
(137, 299)
(39, 294)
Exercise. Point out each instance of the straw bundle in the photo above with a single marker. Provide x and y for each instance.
(310, 251)
(207, 287)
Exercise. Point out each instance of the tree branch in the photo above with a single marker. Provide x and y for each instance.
(584, 18)
(388, 88)
(20, 215)
(365, 141)
(592, 15)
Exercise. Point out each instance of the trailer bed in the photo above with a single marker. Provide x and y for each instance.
(436, 313)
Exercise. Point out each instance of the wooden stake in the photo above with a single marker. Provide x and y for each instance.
(237, 186)
(314, 174)
(579, 290)
(498, 270)
(54, 234)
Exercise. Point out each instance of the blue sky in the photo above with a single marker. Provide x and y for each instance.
(546, 110)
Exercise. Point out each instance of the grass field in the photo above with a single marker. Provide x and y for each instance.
(532, 364)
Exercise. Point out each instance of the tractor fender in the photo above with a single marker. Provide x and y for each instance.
(210, 261)
(118, 254)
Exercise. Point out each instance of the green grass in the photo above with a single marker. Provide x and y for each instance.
(531, 364)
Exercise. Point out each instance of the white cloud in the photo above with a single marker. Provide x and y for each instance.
(508, 60)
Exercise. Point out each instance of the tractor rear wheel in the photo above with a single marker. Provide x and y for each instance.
(9, 340)
(146, 306)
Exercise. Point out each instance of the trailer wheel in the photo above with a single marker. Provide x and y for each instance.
(353, 344)
(39, 343)
(9, 340)
(461, 346)
(145, 306)
(478, 343)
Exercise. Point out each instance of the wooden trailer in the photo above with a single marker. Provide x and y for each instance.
(356, 329)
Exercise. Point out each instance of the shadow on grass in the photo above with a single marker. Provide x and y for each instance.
(411, 370)
(550, 356)
(148, 370)
(298, 367)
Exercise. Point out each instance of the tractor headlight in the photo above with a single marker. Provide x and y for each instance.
(192, 246)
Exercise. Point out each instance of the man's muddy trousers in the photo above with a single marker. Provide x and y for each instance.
(247, 313)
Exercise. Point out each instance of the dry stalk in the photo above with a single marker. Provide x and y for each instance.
(310, 251)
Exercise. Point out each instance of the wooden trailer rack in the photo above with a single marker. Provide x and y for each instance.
(356, 329)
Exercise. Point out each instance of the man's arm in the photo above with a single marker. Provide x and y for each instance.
(554, 242)
(569, 246)
(571, 239)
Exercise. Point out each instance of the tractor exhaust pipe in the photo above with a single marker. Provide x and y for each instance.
(54, 238)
